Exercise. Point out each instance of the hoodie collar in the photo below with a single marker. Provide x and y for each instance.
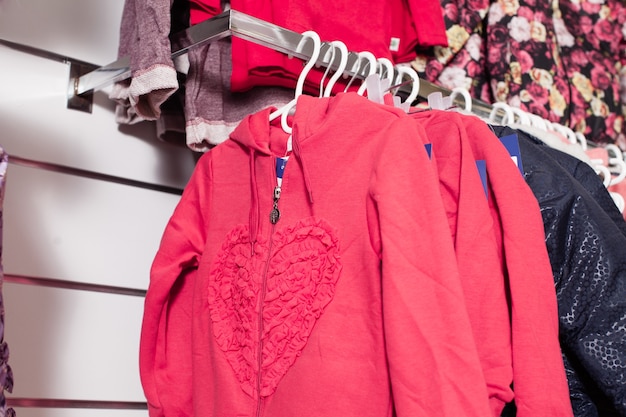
(261, 138)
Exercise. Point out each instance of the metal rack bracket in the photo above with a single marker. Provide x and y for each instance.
(82, 102)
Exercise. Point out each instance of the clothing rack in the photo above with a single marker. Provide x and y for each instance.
(241, 25)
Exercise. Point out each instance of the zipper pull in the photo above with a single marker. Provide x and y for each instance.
(275, 213)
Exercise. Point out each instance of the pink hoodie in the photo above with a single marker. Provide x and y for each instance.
(349, 305)
(540, 382)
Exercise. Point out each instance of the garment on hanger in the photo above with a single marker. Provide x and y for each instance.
(202, 111)
(154, 77)
(212, 110)
(594, 61)
(345, 321)
(170, 125)
(560, 60)
(584, 235)
(124, 112)
(478, 258)
(588, 178)
(539, 378)
(6, 373)
(462, 62)
(386, 23)
(554, 140)
(415, 24)
(144, 37)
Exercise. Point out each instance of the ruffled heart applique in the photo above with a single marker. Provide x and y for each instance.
(301, 274)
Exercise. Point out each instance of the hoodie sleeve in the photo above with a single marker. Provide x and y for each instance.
(433, 361)
(165, 347)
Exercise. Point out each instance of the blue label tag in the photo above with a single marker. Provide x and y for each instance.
(429, 149)
(482, 172)
(511, 143)
(281, 163)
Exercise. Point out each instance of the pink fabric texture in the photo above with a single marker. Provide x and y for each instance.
(301, 281)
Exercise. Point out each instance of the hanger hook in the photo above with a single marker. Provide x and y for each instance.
(508, 117)
(343, 63)
(564, 130)
(328, 60)
(370, 66)
(524, 118)
(467, 98)
(283, 112)
(385, 69)
(355, 70)
(581, 139)
(317, 46)
(415, 84)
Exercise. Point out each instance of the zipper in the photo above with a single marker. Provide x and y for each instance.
(260, 323)
(275, 213)
(274, 217)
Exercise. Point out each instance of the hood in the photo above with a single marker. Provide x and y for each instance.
(259, 137)
(256, 132)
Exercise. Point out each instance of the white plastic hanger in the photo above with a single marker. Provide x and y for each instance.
(364, 66)
(467, 98)
(343, 63)
(378, 84)
(385, 70)
(538, 122)
(522, 117)
(602, 170)
(437, 101)
(509, 116)
(568, 133)
(329, 51)
(616, 160)
(582, 140)
(283, 112)
(403, 70)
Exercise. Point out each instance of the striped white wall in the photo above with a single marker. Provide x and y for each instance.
(66, 343)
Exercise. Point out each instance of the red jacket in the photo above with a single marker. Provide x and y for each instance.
(350, 305)
(480, 263)
(540, 383)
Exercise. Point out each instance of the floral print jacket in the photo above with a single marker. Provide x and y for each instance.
(563, 60)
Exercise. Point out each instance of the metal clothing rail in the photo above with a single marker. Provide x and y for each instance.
(72, 285)
(241, 25)
(65, 403)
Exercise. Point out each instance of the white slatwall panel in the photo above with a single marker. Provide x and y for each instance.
(37, 125)
(68, 344)
(78, 229)
(83, 29)
(64, 343)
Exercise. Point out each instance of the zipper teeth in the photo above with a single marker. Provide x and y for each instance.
(260, 317)
(260, 323)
